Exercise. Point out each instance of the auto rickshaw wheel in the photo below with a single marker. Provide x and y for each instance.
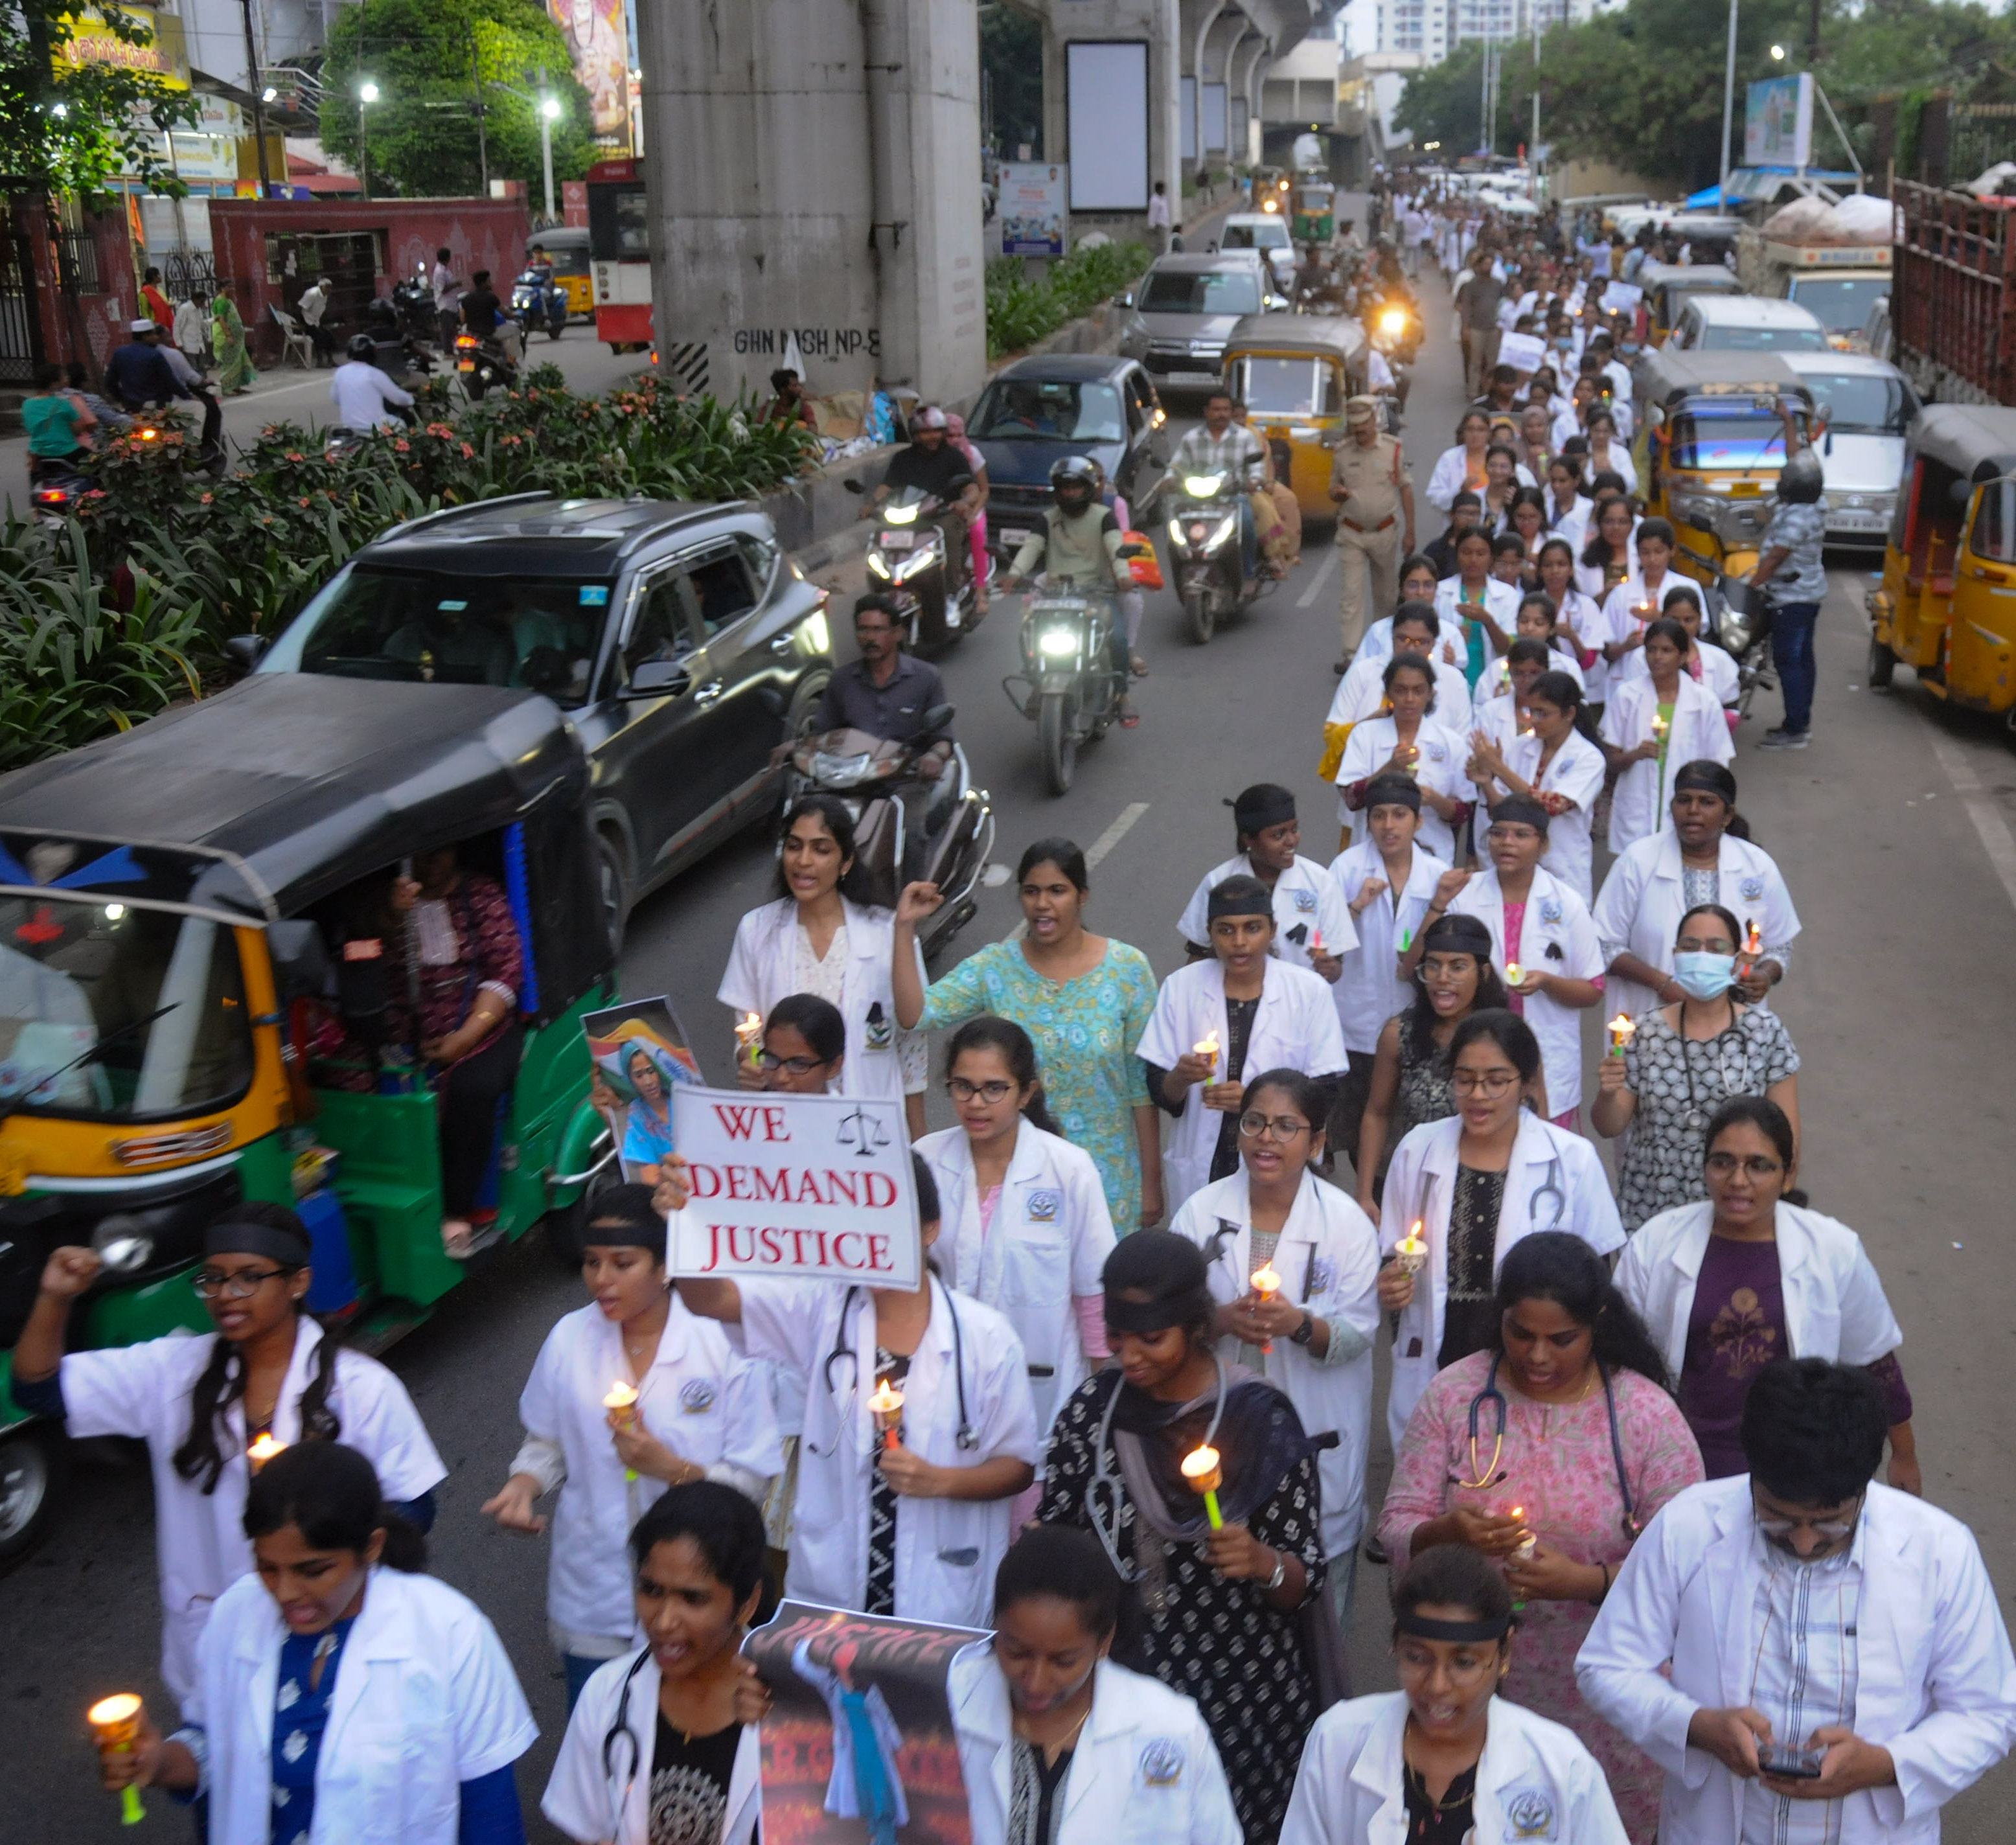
(1882, 664)
(32, 1461)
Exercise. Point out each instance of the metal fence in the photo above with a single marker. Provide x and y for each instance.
(20, 327)
(184, 271)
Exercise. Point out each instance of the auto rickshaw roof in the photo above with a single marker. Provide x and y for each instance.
(1702, 278)
(258, 803)
(1978, 441)
(1664, 374)
(1340, 337)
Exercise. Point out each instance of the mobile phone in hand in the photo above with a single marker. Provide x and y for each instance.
(1788, 1763)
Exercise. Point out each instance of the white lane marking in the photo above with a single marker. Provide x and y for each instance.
(1321, 577)
(1096, 851)
(1996, 840)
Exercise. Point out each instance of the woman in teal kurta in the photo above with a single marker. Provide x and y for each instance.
(1085, 1001)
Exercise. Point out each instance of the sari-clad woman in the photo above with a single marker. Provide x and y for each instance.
(234, 375)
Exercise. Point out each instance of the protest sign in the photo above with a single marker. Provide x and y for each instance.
(639, 1054)
(835, 1679)
(810, 1187)
(1622, 297)
(1524, 352)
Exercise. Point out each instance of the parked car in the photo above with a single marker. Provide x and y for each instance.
(1747, 323)
(682, 642)
(1267, 231)
(1040, 409)
(1184, 308)
(1868, 405)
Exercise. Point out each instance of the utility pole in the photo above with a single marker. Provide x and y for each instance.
(482, 139)
(255, 87)
(1728, 103)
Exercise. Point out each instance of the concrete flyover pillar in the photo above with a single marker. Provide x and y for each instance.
(813, 168)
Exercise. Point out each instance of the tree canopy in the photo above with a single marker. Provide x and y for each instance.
(425, 55)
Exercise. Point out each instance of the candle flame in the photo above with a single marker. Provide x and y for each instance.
(1514, 973)
(887, 1399)
(264, 1450)
(1411, 1240)
(1200, 1469)
(110, 1712)
(1208, 1045)
(752, 1024)
(622, 1396)
(1753, 940)
(1265, 1281)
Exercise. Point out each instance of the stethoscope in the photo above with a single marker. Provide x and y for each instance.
(1106, 1523)
(966, 1436)
(621, 1728)
(1551, 1189)
(1482, 1477)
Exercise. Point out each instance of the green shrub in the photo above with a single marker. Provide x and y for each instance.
(1021, 313)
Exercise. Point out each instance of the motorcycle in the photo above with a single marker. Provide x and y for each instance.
(864, 773)
(929, 575)
(539, 305)
(1395, 327)
(415, 300)
(403, 349)
(1204, 547)
(483, 365)
(1070, 682)
(55, 485)
(1739, 618)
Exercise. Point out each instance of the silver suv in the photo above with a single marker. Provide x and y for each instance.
(1186, 308)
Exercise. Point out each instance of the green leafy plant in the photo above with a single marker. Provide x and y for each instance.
(1021, 313)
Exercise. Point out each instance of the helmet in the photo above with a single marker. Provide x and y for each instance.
(1075, 480)
(363, 346)
(1800, 480)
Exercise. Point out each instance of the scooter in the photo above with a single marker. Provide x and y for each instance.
(1204, 547)
(864, 774)
(1069, 683)
(931, 578)
(483, 365)
(540, 305)
(55, 485)
(1738, 617)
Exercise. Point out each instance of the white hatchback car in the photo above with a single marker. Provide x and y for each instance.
(1868, 405)
(1746, 323)
(1266, 232)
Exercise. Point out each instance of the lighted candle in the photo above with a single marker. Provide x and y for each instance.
(263, 1450)
(1523, 1553)
(1207, 1049)
(115, 1727)
(1412, 1250)
(887, 1404)
(1621, 1031)
(749, 1037)
(1753, 945)
(1266, 1284)
(1203, 1474)
(1514, 973)
(1315, 941)
(622, 1400)
(1659, 727)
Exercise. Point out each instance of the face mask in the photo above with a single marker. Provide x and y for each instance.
(1563, 341)
(1629, 348)
(1704, 976)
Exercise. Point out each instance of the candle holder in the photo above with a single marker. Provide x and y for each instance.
(1411, 1251)
(887, 1404)
(1202, 1474)
(749, 1038)
(1266, 1284)
(622, 1400)
(1207, 1048)
(1621, 1032)
(115, 1727)
(1514, 974)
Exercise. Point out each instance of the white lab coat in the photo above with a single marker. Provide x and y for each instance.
(760, 974)
(1572, 525)
(143, 1391)
(596, 1806)
(1370, 990)
(947, 1550)
(1305, 900)
(1835, 1307)
(1576, 773)
(703, 1399)
(1496, 681)
(1936, 1682)
(1645, 790)
(1642, 901)
(425, 1699)
(1294, 1027)
(1051, 1235)
(1632, 607)
(1534, 1780)
(1619, 460)
(1144, 1770)
(1328, 1260)
(1420, 1185)
(1451, 465)
(1361, 693)
(1439, 766)
(1378, 641)
(1501, 600)
(1556, 920)
(1719, 672)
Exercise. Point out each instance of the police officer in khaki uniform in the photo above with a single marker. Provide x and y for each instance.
(1373, 492)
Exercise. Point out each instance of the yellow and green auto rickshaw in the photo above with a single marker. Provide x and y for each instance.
(1668, 286)
(1947, 602)
(567, 246)
(1316, 211)
(1295, 372)
(183, 1023)
(1710, 447)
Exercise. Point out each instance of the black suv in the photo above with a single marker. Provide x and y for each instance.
(684, 643)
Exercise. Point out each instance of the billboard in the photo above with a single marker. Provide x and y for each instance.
(1034, 220)
(1106, 112)
(1778, 122)
(598, 37)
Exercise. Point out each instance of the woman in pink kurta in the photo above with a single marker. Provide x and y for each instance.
(1549, 1499)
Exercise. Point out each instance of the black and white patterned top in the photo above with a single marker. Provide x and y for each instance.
(882, 1502)
(1215, 1640)
(1679, 1085)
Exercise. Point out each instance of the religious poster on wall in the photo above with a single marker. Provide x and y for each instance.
(598, 35)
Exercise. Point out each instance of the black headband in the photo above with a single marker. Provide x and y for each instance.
(289, 1248)
(1518, 810)
(1239, 896)
(1393, 790)
(1709, 777)
(617, 1232)
(1265, 804)
(1185, 1309)
(1422, 1628)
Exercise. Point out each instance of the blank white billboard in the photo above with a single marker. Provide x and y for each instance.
(1214, 118)
(1190, 118)
(1105, 109)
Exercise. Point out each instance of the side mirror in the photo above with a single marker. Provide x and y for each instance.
(300, 959)
(938, 718)
(655, 678)
(242, 652)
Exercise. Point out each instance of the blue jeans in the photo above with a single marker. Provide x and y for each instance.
(579, 1671)
(1792, 625)
(1249, 539)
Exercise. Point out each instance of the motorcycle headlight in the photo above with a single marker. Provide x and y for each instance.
(1736, 634)
(1393, 322)
(907, 568)
(1203, 486)
(900, 515)
(1057, 643)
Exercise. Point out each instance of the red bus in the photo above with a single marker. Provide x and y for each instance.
(619, 246)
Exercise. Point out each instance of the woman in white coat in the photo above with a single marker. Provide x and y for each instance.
(1705, 856)
(1445, 1757)
(1216, 1020)
(701, 1410)
(341, 1694)
(1463, 464)
(1469, 1187)
(1312, 928)
(1408, 739)
(1487, 606)
(1652, 727)
(1751, 1274)
(1057, 1744)
(913, 1528)
(1708, 666)
(673, 1726)
(1311, 1330)
(1552, 763)
(1026, 1229)
(1416, 628)
(816, 939)
(199, 1403)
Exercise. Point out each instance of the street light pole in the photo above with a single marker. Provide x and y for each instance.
(549, 110)
(367, 94)
(1728, 103)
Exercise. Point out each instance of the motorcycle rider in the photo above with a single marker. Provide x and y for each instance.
(139, 374)
(196, 383)
(1080, 544)
(1221, 446)
(553, 299)
(483, 315)
(362, 393)
(934, 466)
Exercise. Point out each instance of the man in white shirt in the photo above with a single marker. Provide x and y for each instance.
(447, 299)
(361, 393)
(1158, 215)
(1218, 445)
(312, 306)
(191, 333)
(1809, 1655)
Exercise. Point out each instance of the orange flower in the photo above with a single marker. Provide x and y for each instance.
(402, 445)
(468, 453)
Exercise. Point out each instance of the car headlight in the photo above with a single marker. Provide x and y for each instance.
(1057, 643)
(1203, 486)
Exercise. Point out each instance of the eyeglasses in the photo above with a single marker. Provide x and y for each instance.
(1257, 1126)
(1726, 1165)
(793, 1066)
(1414, 1663)
(1490, 1082)
(1833, 1529)
(960, 1090)
(209, 1283)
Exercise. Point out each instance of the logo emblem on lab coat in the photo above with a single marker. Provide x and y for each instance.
(1752, 890)
(1044, 1204)
(877, 1028)
(1321, 1275)
(1306, 900)
(697, 1394)
(1436, 753)
(1551, 912)
(1162, 1762)
(1530, 1814)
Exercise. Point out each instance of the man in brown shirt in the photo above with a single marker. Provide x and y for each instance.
(1373, 492)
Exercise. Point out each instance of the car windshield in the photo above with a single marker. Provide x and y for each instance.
(1841, 304)
(1288, 387)
(538, 632)
(118, 1012)
(1213, 292)
(1271, 234)
(1030, 409)
(1727, 442)
(1725, 336)
(1859, 405)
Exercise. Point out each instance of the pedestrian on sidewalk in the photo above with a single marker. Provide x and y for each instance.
(1160, 222)
(1792, 566)
(156, 303)
(448, 298)
(234, 375)
(1373, 492)
(191, 329)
